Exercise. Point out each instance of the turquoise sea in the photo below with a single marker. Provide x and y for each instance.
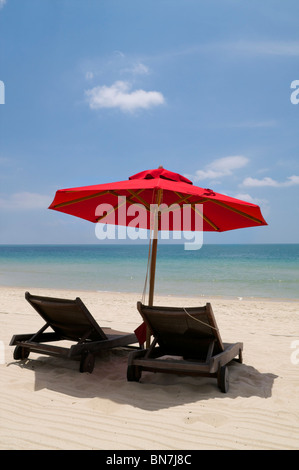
(268, 271)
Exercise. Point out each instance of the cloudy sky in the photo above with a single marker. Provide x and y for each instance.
(94, 91)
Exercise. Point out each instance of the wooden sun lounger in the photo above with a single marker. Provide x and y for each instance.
(69, 320)
(186, 341)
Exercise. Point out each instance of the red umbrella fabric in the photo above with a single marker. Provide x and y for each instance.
(155, 194)
(157, 186)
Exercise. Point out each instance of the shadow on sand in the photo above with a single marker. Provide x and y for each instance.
(155, 391)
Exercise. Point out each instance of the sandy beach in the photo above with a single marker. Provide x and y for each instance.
(47, 404)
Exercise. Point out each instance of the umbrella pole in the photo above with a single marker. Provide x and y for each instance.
(153, 272)
(153, 262)
(152, 284)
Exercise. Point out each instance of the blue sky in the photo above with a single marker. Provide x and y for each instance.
(96, 91)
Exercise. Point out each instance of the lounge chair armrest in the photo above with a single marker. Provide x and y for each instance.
(223, 358)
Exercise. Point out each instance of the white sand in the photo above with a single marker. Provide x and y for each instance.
(46, 403)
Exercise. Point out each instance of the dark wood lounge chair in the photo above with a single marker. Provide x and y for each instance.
(186, 341)
(69, 320)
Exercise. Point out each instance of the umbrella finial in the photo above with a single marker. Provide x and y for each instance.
(160, 167)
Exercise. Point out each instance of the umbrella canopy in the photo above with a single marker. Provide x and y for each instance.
(157, 187)
(155, 194)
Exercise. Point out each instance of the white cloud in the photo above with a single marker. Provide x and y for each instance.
(119, 96)
(267, 181)
(262, 203)
(248, 198)
(221, 167)
(140, 69)
(25, 201)
(2, 3)
(245, 197)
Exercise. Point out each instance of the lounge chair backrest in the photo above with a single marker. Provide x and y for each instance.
(183, 331)
(70, 319)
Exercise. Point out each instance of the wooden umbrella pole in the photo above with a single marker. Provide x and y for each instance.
(153, 272)
(153, 260)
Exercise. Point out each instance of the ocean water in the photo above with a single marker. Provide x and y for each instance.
(267, 271)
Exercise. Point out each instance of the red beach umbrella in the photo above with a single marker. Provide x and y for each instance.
(161, 198)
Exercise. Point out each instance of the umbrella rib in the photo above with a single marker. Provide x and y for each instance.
(114, 193)
(80, 199)
(136, 195)
(114, 208)
(226, 206)
(181, 197)
(185, 198)
(193, 205)
(237, 211)
(205, 219)
(102, 193)
(181, 200)
(123, 202)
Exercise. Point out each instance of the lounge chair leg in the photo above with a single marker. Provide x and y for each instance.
(223, 379)
(133, 373)
(240, 356)
(87, 363)
(20, 352)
